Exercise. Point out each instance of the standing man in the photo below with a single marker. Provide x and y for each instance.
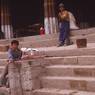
(64, 25)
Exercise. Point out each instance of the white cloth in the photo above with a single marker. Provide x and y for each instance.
(29, 50)
(72, 21)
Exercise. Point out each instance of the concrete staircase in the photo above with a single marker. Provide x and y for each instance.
(68, 70)
(50, 39)
(72, 75)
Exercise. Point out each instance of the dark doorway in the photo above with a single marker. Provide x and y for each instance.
(83, 11)
(26, 13)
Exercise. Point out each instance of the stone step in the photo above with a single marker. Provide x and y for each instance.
(48, 42)
(71, 50)
(49, 36)
(53, 41)
(50, 39)
(71, 70)
(30, 38)
(90, 38)
(78, 83)
(52, 91)
(71, 60)
(83, 31)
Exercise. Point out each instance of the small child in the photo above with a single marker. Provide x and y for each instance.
(14, 54)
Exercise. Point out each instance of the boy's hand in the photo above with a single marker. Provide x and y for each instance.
(10, 61)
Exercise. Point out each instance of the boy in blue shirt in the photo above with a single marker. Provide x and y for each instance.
(14, 54)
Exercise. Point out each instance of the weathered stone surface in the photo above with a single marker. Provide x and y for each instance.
(50, 91)
(52, 39)
(79, 83)
(70, 60)
(68, 51)
(76, 70)
(62, 51)
(71, 70)
(86, 60)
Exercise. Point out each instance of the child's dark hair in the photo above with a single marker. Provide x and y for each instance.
(15, 42)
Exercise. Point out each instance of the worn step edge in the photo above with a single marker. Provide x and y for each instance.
(79, 83)
(52, 91)
(72, 66)
(70, 78)
(71, 70)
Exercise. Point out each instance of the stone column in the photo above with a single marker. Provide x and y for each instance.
(50, 21)
(6, 26)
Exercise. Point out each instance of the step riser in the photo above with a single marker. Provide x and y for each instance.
(78, 60)
(44, 43)
(89, 60)
(69, 84)
(82, 72)
(63, 93)
(46, 93)
(3, 64)
(74, 52)
(36, 38)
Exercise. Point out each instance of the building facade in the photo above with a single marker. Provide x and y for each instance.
(84, 15)
(6, 25)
